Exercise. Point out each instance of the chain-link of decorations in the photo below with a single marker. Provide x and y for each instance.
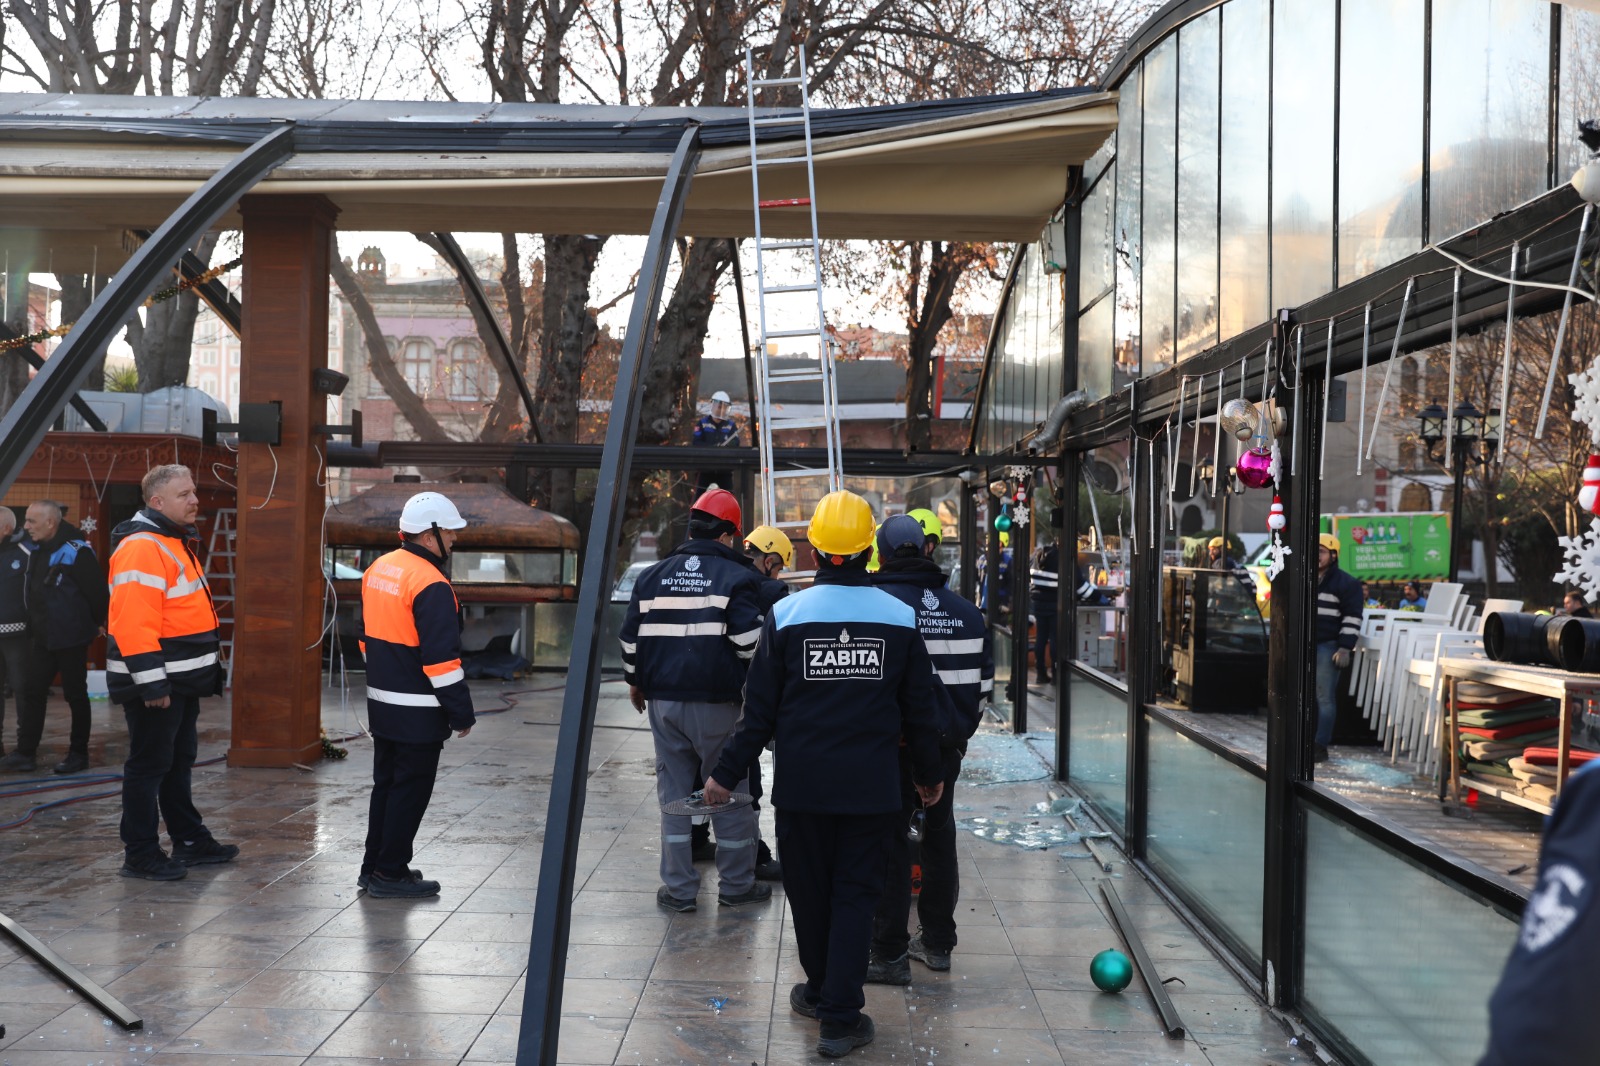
(164, 294)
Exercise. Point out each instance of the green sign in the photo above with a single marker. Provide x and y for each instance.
(1394, 547)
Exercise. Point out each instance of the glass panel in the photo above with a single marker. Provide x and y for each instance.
(1380, 134)
(507, 568)
(1160, 204)
(1488, 119)
(1405, 981)
(1199, 53)
(1580, 85)
(1103, 557)
(1302, 152)
(1242, 182)
(1094, 350)
(1097, 754)
(1213, 635)
(1205, 832)
(1128, 243)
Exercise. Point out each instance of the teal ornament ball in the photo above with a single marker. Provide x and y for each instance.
(1111, 971)
(1002, 522)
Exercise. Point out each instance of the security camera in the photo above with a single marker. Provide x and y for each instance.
(329, 382)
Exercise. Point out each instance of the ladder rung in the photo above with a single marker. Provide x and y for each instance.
(824, 472)
(763, 82)
(799, 523)
(783, 246)
(779, 377)
(223, 555)
(779, 423)
(788, 288)
(778, 120)
(795, 201)
(779, 334)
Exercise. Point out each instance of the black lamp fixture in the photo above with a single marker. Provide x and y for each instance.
(1475, 437)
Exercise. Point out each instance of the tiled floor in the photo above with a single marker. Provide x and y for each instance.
(277, 957)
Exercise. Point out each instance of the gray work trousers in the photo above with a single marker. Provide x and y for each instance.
(689, 739)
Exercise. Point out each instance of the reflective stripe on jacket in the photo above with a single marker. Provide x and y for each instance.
(954, 632)
(1339, 608)
(162, 626)
(692, 624)
(411, 637)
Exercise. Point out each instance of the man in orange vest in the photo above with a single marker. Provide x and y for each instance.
(416, 688)
(161, 658)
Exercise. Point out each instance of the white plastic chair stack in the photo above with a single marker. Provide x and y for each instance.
(1402, 638)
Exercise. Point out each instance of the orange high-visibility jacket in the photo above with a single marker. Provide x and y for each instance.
(162, 625)
(411, 637)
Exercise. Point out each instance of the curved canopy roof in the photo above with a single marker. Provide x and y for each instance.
(77, 171)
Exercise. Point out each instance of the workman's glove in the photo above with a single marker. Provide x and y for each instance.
(1341, 658)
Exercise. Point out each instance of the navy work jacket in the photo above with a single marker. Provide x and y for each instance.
(839, 675)
(954, 633)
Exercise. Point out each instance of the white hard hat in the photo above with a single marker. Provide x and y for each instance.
(428, 509)
(721, 397)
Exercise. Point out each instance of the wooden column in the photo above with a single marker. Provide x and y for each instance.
(277, 691)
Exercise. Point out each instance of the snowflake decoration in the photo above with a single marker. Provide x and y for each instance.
(88, 525)
(1586, 399)
(1019, 514)
(1280, 552)
(1583, 560)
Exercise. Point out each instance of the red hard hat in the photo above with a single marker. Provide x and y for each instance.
(720, 503)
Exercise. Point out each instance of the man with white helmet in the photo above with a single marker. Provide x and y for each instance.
(716, 430)
(416, 689)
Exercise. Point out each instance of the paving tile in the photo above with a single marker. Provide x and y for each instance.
(259, 1031)
(307, 990)
(372, 1034)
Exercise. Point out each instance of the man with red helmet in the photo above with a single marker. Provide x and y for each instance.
(687, 640)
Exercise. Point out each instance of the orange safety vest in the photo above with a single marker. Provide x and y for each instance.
(162, 626)
(411, 638)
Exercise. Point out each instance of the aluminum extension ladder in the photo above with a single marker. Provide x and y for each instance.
(221, 551)
(824, 413)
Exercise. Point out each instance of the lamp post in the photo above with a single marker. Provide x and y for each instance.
(1474, 438)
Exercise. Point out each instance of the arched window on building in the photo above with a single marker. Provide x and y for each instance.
(416, 364)
(1415, 497)
(469, 375)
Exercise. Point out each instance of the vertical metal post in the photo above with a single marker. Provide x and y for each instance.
(1291, 705)
(552, 913)
(1144, 618)
(970, 532)
(1458, 474)
(1067, 477)
(1021, 600)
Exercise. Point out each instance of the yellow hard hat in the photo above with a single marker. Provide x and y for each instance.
(931, 526)
(841, 525)
(1215, 542)
(1329, 541)
(773, 542)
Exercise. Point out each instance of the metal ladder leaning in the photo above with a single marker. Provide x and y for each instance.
(221, 551)
(822, 373)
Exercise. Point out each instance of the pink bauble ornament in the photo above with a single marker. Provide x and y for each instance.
(1254, 470)
(1275, 517)
(1589, 492)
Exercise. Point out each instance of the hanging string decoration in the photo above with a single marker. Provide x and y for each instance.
(165, 294)
(1277, 551)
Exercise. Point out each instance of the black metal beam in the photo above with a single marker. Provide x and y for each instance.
(109, 1005)
(1291, 703)
(865, 462)
(26, 423)
(480, 300)
(37, 362)
(552, 914)
(214, 294)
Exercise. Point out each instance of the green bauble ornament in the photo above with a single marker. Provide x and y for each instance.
(1002, 522)
(1111, 971)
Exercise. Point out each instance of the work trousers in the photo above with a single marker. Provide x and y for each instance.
(941, 878)
(1044, 644)
(162, 742)
(1327, 692)
(402, 784)
(73, 666)
(689, 738)
(833, 876)
(14, 652)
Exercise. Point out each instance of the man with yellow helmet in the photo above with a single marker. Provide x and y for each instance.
(840, 674)
(1338, 627)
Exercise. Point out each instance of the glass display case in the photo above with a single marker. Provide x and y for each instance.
(1214, 639)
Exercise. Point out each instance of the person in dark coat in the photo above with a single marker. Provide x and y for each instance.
(840, 675)
(67, 598)
(962, 653)
(1044, 575)
(14, 548)
(1338, 628)
(1541, 1013)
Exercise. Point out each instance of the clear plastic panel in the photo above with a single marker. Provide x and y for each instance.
(1097, 755)
(1129, 239)
(1399, 962)
(1160, 205)
(1244, 165)
(1205, 832)
(1199, 52)
(1580, 85)
(1302, 150)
